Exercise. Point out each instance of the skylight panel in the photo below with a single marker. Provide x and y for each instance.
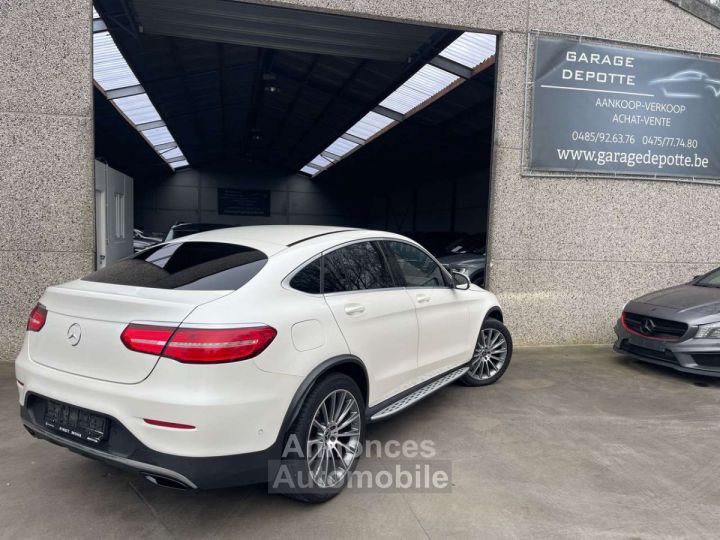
(172, 153)
(320, 162)
(457, 62)
(426, 83)
(312, 171)
(369, 125)
(179, 164)
(110, 70)
(158, 136)
(138, 108)
(341, 147)
(470, 49)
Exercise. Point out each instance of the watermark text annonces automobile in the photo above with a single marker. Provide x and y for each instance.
(408, 465)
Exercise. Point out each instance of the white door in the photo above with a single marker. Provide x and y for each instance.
(376, 317)
(113, 214)
(443, 319)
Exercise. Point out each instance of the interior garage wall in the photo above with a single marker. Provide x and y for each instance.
(567, 253)
(192, 195)
(459, 205)
(46, 155)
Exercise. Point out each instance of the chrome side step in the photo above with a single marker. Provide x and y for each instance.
(406, 401)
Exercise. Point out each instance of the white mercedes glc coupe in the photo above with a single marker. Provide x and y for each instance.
(196, 361)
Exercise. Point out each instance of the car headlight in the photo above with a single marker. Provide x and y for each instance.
(711, 331)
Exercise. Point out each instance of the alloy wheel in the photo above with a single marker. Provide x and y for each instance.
(333, 441)
(489, 355)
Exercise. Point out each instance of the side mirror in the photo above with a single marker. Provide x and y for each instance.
(460, 281)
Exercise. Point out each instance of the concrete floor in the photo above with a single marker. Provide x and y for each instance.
(573, 443)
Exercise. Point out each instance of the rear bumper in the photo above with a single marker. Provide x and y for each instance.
(238, 412)
(699, 356)
(123, 450)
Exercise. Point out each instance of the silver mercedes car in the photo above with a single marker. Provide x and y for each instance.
(677, 327)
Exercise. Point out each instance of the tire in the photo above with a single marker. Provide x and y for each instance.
(342, 451)
(491, 356)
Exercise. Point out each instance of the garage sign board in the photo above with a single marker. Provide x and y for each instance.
(243, 202)
(607, 109)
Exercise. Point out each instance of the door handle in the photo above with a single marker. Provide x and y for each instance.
(422, 298)
(354, 309)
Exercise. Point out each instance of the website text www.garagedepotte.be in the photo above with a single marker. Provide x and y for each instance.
(631, 159)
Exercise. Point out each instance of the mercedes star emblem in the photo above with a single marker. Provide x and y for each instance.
(647, 326)
(74, 334)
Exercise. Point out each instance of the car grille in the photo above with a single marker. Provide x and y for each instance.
(707, 359)
(665, 356)
(654, 327)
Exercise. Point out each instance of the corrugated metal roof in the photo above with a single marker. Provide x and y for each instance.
(110, 70)
(370, 125)
(471, 49)
(138, 108)
(426, 83)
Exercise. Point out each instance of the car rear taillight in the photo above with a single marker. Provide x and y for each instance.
(37, 318)
(146, 338)
(212, 346)
(199, 345)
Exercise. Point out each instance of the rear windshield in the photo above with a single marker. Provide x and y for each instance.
(198, 266)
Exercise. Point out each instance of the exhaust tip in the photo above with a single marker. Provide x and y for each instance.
(164, 481)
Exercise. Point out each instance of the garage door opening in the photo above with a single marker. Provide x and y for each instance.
(220, 113)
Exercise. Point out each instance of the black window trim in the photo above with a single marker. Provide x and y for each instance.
(375, 243)
(447, 277)
(397, 278)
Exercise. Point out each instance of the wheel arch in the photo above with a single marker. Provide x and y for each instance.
(347, 364)
(495, 313)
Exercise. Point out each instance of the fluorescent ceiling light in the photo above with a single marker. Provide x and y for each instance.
(138, 108)
(370, 125)
(470, 49)
(179, 164)
(95, 14)
(426, 83)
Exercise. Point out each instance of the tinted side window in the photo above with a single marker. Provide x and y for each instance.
(200, 266)
(356, 267)
(416, 267)
(308, 279)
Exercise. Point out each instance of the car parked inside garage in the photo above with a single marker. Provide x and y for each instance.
(195, 361)
(677, 327)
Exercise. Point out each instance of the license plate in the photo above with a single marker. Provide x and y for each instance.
(75, 422)
(653, 344)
